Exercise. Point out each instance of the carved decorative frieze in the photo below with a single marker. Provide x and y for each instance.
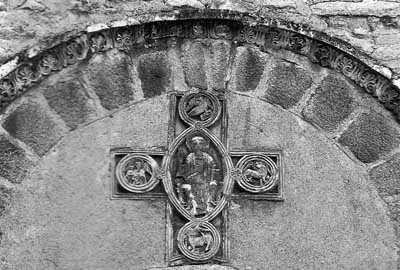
(222, 26)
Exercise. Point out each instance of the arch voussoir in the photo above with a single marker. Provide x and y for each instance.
(27, 70)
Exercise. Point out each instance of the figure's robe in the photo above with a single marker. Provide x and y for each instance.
(199, 175)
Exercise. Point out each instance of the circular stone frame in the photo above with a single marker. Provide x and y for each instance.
(190, 254)
(123, 181)
(242, 180)
(215, 103)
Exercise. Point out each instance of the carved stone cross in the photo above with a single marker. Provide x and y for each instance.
(199, 176)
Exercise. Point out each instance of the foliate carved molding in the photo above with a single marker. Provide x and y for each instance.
(267, 33)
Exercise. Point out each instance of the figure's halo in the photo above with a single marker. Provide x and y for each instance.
(194, 135)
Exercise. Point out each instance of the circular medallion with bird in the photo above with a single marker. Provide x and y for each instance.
(199, 108)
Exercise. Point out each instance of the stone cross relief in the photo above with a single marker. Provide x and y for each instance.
(199, 176)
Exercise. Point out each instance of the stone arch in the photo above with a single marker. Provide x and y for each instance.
(145, 37)
(153, 32)
(31, 66)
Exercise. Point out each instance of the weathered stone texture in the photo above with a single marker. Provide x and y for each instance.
(70, 100)
(370, 136)
(154, 72)
(25, 23)
(197, 267)
(324, 1)
(386, 177)
(329, 219)
(328, 202)
(355, 30)
(111, 77)
(193, 62)
(32, 124)
(249, 66)
(14, 165)
(5, 201)
(287, 84)
(218, 58)
(366, 8)
(68, 201)
(331, 103)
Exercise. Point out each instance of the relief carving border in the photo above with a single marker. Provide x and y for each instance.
(241, 28)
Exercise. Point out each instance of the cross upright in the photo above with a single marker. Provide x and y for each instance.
(199, 176)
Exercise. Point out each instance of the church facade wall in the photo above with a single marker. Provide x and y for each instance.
(324, 106)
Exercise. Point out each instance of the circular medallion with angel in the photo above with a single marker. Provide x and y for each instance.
(136, 173)
(199, 108)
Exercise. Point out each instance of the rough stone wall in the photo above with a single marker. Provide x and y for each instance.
(370, 25)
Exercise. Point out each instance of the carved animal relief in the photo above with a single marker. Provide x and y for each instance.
(199, 176)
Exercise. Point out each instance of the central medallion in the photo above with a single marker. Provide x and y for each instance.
(198, 177)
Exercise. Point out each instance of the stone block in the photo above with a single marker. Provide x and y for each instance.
(14, 165)
(386, 177)
(249, 69)
(5, 199)
(33, 125)
(111, 78)
(219, 58)
(193, 63)
(370, 136)
(387, 52)
(331, 103)
(70, 101)
(154, 72)
(287, 84)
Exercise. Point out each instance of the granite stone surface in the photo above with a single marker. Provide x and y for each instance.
(5, 201)
(370, 136)
(111, 76)
(332, 102)
(14, 165)
(249, 69)
(154, 72)
(386, 176)
(70, 100)
(217, 63)
(32, 124)
(337, 212)
(193, 63)
(331, 217)
(286, 85)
